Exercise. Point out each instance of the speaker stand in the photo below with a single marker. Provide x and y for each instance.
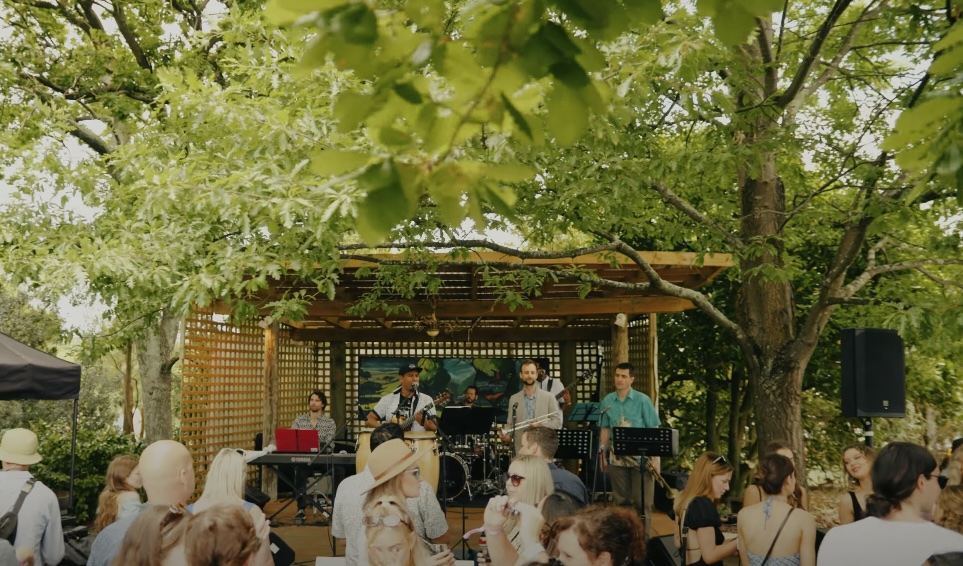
(868, 431)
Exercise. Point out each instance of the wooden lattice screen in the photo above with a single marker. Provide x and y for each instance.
(223, 369)
(223, 390)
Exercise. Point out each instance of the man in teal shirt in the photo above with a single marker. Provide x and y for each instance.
(625, 407)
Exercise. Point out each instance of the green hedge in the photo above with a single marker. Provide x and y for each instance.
(95, 449)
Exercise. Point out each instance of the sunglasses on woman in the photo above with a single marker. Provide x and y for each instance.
(515, 479)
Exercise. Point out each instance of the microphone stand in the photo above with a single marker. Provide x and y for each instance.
(514, 422)
(316, 460)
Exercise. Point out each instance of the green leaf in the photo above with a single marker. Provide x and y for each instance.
(502, 199)
(567, 115)
(952, 37)
(948, 62)
(570, 73)
(331, 162)
(385, 205)
(428, 14)
(518, 118)
(351, 109)
(358, 24)
(733, 24)
(283, 12)
(645, 11)
(510, 172)
(408, 92)
(393, 137)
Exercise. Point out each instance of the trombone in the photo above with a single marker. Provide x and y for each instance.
(670, 493)
(525, 424)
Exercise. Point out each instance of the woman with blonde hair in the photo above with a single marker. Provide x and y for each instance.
(776, 528)
(224, 483)
(120, 497)
(390, 534)
(858, 469)
(948, 512)
(224, 535)
(698, 523)
(154, 538)
(395, 468)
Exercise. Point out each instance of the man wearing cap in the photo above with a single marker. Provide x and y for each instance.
(405, 405)
(38, 522)
(346, 521)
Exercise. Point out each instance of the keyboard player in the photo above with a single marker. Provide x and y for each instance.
(317, 420)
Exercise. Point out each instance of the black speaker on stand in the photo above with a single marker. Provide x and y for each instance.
(874, 379)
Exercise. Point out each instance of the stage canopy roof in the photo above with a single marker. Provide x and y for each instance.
(28, 373)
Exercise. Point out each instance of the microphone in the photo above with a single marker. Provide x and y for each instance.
(414, 387)
(605, 409)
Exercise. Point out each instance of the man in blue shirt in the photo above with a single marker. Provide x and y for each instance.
(625, 407)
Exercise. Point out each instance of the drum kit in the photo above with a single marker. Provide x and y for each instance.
(470, 465)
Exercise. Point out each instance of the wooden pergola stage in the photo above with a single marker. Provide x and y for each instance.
(252, 377)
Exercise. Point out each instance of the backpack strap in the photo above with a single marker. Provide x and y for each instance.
(24, 491)
(779, 532)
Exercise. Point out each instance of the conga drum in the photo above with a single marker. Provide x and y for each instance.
(362, 450)
(428, 461)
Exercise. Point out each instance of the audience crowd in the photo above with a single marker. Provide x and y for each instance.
(898, 511)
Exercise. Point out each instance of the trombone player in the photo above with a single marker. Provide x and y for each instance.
(530, 407)
(626, 407)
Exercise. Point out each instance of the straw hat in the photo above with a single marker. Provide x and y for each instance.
(390, 459)
(19, 446)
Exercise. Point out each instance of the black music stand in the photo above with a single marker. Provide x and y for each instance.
(585, 413)
(645, 442)
(575, 443)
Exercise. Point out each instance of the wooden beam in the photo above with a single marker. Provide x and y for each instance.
(335, 320)
(478, 335)
(602, 259)
(540, 308)
(339, 383)
(269, 482)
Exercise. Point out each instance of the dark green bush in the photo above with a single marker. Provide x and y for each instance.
(95, 449)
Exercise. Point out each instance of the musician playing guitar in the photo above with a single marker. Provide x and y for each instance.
(405, 405)
(530, 407)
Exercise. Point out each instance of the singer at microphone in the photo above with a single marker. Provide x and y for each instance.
(405, 405)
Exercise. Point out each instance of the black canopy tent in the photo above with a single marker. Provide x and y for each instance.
(28, 373)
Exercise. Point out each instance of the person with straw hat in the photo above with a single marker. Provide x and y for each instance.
(428, 520)
(394, 466)
(38, 521)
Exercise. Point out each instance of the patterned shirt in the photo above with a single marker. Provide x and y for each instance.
(429, 520)
(529, 406)
(325, 427)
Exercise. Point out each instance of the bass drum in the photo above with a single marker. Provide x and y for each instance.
(455, 473)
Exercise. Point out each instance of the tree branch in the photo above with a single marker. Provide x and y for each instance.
(520, 254)
(833, 66)
(939, 280)
(764, 38)
(802, 73)
(863, 278)
(62, 9)
(92, 140)
(124, 28)
(678, 202)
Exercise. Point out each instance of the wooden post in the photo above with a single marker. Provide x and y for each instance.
(339, 384)
(620, 351)
(269, 481)
(129, 389)
(650, 385)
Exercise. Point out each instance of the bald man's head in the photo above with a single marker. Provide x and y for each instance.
(168, 473)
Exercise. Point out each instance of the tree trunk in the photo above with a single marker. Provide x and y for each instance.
(155, 356)
(712, 410)
(129, 389)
